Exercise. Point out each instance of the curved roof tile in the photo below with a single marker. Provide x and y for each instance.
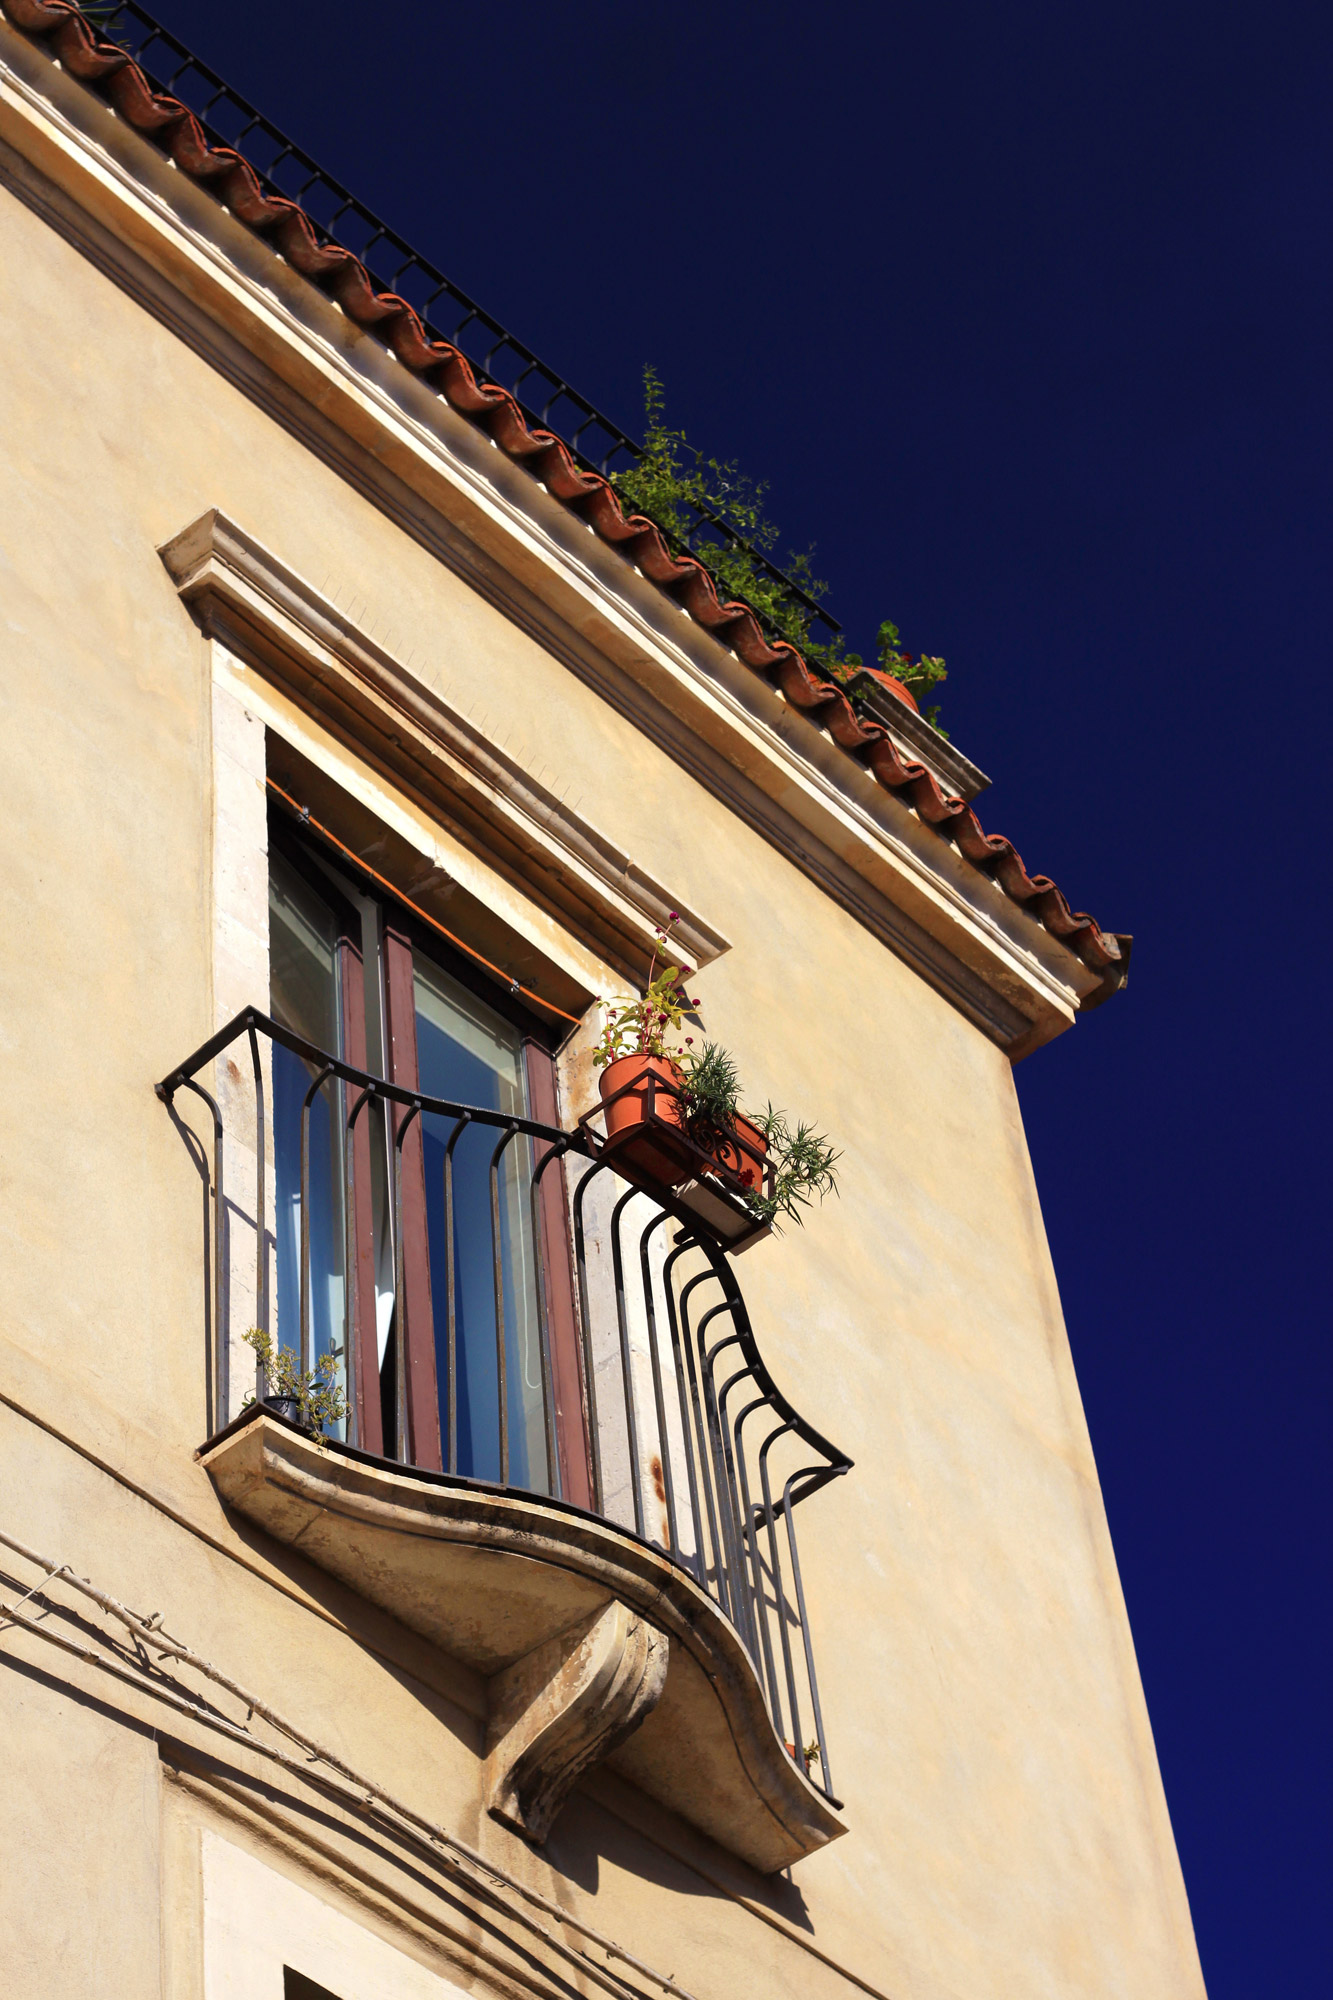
(174, 127)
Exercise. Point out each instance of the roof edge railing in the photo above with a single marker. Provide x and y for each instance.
(448, 312)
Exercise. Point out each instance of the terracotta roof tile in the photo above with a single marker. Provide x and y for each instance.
(173, 127)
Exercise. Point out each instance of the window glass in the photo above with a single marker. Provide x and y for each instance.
(302, 947)
(470, 1055)
(303, 982)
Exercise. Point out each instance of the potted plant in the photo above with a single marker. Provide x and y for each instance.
(712, 1117)
(804, 1165)
(672, 1113)
(310, 1398)
(641, 1082)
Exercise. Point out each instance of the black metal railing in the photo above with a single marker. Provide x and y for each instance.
(546, 399)
(675, 1427)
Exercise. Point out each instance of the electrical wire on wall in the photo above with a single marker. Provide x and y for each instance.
(358, 1794)
(506, 979)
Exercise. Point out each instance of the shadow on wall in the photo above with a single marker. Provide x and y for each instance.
(591, 1829)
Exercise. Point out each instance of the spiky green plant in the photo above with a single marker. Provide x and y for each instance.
(673, 482)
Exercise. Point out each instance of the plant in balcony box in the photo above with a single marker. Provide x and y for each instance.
(308, 1397)
(805, 1165)
(803, 1162)
(646, 1082)
(714, 1120)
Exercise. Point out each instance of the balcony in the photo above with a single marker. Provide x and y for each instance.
(562, 1458)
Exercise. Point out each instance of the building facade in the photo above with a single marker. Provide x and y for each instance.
(668, 1604)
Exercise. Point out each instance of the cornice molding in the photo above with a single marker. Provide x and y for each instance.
(244, 596)
(233, 298)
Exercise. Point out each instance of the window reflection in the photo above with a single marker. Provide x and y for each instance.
(468, 1054)
(303, 978)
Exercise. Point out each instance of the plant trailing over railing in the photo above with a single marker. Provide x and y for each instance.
(805, 1165)
(673, 483)
(317, 1399)
(777, 1168)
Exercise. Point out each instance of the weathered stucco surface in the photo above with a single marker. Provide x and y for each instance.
(1009, 1836)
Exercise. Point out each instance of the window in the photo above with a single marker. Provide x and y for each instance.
(358, 977)
(305, 982)
(468, 1053)
(295, 1986)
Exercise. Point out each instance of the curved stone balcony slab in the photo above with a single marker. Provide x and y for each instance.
(519, 1587)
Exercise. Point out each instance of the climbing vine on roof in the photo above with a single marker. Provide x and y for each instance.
(673, 482)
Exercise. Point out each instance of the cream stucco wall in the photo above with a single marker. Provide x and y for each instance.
(1008, 1831)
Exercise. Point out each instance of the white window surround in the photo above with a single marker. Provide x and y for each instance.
(257, 1921)
(286, 650)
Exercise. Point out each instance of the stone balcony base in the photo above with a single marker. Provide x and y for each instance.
(596, 1646)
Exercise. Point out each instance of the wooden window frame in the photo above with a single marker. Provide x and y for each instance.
(401, 937)
(364, 1392)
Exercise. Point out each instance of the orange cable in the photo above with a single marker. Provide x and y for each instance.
(507, 977)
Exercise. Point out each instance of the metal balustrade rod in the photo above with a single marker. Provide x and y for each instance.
(761, 1610)
(261, 1210)
(219, 1383)
(697, 1561)
(707, 1468)
(351, 1296)
(747, 1586)
(402, 1441)
(723, 1473)
(811, 1677)
(306, 1363)
(554, 1479)
(585, 1329)
(451, 1287)
(627, 1358)
(659, 1401)
(782, 1613)
(502, 1380)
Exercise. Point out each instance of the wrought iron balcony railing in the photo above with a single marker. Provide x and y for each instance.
(534, 1319)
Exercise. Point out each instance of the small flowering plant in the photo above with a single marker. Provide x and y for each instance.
(316, 1392)
(641, 1027)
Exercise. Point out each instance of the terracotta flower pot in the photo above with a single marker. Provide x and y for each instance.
(895, 686)
(630, 1127)
(735, 1161)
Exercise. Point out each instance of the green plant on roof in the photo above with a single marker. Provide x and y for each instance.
(673, 482)
(106, 24)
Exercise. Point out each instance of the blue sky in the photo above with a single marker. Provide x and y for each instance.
(1024, 313)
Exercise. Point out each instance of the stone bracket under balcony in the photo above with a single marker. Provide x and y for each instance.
(564, 1707)
(595, 1645)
